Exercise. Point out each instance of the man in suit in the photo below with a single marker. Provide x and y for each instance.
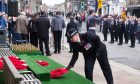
(133, 30)
(43, 25)
(126, 32)
(105, 29)
(120, 31)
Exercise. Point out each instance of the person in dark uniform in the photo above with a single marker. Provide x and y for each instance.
(126, 32)
(112, 30)
(105, 29)
(138, 31)
(92, 48)
(92, 19)
(133, 30)
(33, 30)
(116, 29)
(70, 25)
(120, 31)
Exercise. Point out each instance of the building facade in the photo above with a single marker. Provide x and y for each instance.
(133, 7)
(3, 6)
(113, 6)
(30, 6)
(76, 5)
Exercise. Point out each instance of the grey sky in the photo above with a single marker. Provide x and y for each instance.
(52, 2)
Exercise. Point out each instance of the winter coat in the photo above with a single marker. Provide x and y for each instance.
(57, 23)
(43, 25)
(21, 25)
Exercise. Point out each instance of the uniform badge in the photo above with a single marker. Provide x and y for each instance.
(87, 46)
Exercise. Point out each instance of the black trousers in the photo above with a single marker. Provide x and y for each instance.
(116, 35)
(105, 37)
(138, 36)
(112, 36)
(120, 38)
(133, 39)
(102, 58)
(34, 38)
(126, 36)
(57, 40)
(46, 42)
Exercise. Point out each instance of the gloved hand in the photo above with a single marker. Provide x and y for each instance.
(68, 68)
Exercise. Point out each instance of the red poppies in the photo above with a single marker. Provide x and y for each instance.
(57, 73)
(43, 63)
(19, 64)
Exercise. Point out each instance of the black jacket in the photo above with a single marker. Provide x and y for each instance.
(105, 27)
(43, 25)
(127, 26)
(91, 21)
(112, 27)
(88, 38)
(133, 27)
(121, 27)
(32, 25)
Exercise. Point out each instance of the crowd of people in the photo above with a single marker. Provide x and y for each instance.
(35, 29)
(121, 30)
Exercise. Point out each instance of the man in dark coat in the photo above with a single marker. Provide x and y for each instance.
(105, 29)
(116, 29)
(43, 25)
(33, 30)
(92, 48)
(120, 31)
(138, 31)
(133, 30)
(112, 30)
(126, 32)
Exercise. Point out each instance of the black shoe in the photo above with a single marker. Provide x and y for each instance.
(116, 40)
(104, 40)
(119, 44)
(42, 53)
(59, 52)
(48, 55)
(55, 52)
(70, 51)
(126, 42)
(132, 46)
(111, 42)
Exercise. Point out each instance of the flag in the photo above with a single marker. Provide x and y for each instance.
(100, 4)
(123, 14)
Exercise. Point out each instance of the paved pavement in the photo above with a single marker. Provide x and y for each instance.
(122, 74)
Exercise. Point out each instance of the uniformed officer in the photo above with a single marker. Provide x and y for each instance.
(133, 30)
(121, 27)
(105, 29)
(92, 19)
(112, 30)
(116, 29)
(126, 32)
(92, 48)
